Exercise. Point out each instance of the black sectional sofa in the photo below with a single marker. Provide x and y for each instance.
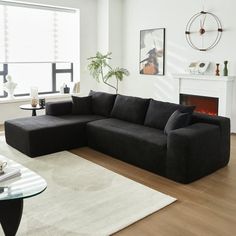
(165, 138)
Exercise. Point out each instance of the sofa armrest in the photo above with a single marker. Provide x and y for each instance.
(59, 108)
(194, 151)
(221, 121)
(224, 125)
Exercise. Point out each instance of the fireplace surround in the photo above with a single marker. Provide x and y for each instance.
(210, 86)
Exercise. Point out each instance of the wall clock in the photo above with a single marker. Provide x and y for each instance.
(203, 31)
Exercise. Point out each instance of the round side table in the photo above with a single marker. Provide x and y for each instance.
(30, 108)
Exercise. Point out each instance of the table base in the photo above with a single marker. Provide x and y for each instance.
(34, 113)
(10, 215)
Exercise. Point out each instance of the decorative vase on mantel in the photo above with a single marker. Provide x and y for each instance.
(217, 69)
(225, 68)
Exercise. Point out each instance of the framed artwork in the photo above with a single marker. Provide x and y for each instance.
(152, 52)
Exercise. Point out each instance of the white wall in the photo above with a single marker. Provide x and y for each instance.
(172, 15)
(110, 34)
(116, 31)
(88, 47)
(103, 26)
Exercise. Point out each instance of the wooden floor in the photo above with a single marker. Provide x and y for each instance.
(205, 207)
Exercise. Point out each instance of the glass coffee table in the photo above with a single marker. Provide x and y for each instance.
(12, 194)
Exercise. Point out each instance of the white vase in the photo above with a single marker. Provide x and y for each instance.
(34, 92)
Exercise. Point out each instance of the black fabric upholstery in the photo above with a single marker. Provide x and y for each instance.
(102, 103)
(193, 152)
(59, 108)
(177, 120)
(159, 112)
(136, 144)
(132, 109)
(81, 105)
(224, 124)
(184, 154)
(42, 135)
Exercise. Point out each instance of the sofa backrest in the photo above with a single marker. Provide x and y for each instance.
(159, 112)
(132, 109)
(102, 103)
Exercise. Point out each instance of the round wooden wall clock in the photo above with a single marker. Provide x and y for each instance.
(203, 31)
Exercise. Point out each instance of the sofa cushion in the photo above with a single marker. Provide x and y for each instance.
(133, 143)
(132, 109)
(81, 105)
(177, 120)
(40, 135)
(102, 103)
(159, 112)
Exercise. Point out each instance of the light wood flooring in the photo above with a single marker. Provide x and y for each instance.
(205, 207)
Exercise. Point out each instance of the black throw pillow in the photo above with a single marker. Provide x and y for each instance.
(177, 120)
(81, 105)
(128, 108)
(102, 103)
(159, 112)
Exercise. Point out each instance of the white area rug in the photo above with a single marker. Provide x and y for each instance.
(82, 198)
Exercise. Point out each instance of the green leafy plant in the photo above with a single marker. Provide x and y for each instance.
(100, 68)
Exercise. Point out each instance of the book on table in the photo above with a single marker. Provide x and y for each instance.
(9, 173)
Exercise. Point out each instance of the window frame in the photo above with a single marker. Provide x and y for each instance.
(72, 67)
(55, 71)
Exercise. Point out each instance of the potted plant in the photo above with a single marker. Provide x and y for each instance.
(100, 68)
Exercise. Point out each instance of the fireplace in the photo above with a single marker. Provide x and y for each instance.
(218, 93)
(207, 105)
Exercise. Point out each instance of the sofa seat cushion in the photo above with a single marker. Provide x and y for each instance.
(132, 109)
(45, 134)
(159, 112)
(136, 144)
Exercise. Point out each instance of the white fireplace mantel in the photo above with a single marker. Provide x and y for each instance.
(203, 77)
(221, 87)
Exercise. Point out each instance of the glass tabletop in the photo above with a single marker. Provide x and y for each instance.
(28, 184)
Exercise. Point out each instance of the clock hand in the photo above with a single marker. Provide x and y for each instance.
(203, 23)
(206, 31)
(202, 30)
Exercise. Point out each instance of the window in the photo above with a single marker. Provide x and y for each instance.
(39, 46)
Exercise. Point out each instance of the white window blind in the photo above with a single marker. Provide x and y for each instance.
(31, 33)
(2, 34)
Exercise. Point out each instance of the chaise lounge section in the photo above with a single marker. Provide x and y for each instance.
(36, 136)
(142, 132)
